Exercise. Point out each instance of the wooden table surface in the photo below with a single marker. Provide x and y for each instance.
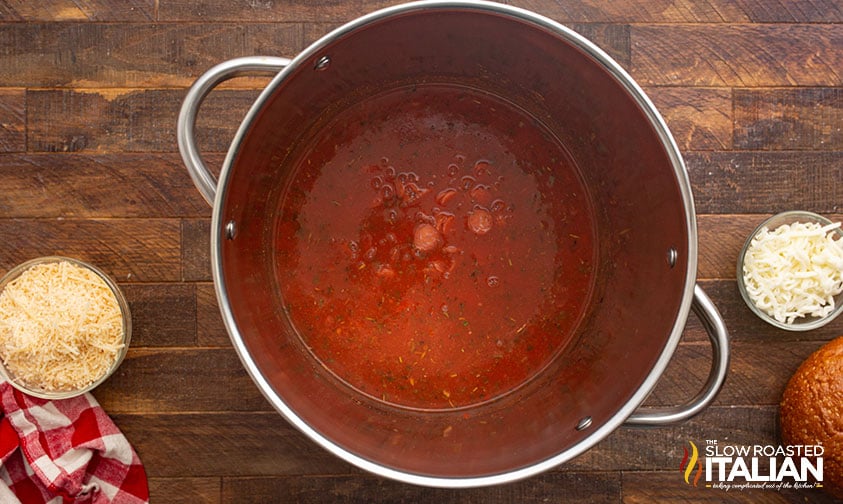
(89, 167)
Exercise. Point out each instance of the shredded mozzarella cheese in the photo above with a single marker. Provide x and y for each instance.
(795, 270)
(61, 327)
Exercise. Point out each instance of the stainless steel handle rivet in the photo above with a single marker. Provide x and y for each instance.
(672, 257)
(584, 423)
(322, 63)
(230, 230)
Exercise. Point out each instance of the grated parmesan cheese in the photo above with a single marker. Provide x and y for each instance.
(61, 327)
(795, 270)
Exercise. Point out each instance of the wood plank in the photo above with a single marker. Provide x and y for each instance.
(127, 249)
(743, 326)
(737, 55)
(612, 38)
(701, 119)
(698, 118)
(213, 379)
(647, 487)
(106, 55)
(758, 373)
(196, 249)
(721, 238)
(135, 55)
(210, 330)
(768, 182)
(717, 259)
(687, 11)
(578, 11)
(263, 444)
(162, 314)
(86, 10)
(185, 490)
(789, 119)
(97, 186)
(230, 444)
(783, 11)
(172, 380)
(12, 120)
(553, 486)
(661, 448)
(104, 121)
(670, 11)
(311, 32)
(157, 184)
(790, 11)
(268, 10)
(128, 120)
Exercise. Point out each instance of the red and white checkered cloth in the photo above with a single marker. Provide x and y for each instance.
(64, 451)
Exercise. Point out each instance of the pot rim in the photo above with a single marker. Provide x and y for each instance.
(307, 56)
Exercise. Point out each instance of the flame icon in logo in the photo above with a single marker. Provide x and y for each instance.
(687, 466)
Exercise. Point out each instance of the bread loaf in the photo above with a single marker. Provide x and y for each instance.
(811, 410)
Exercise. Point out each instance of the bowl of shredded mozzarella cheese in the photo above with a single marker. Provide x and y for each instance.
(65, 327)
(790, 271)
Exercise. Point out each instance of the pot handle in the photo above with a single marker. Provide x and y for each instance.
(712, 321)
(204, 180)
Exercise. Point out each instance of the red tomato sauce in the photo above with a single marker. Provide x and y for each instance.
(434, 247)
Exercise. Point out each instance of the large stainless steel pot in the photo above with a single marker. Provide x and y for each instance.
(645, 230)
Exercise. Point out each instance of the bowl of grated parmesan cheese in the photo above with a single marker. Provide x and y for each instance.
(790, 270)
(65, 327)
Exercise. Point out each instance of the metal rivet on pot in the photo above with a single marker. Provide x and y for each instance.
(230, 230)
(672, 257)
(322, 63)
(584, 423)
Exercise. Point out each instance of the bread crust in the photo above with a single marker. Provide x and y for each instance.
(811, 410)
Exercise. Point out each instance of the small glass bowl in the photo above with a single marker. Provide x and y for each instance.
(124, 312)
(803, 323)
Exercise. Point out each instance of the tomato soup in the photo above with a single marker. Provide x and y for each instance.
(434, 246)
